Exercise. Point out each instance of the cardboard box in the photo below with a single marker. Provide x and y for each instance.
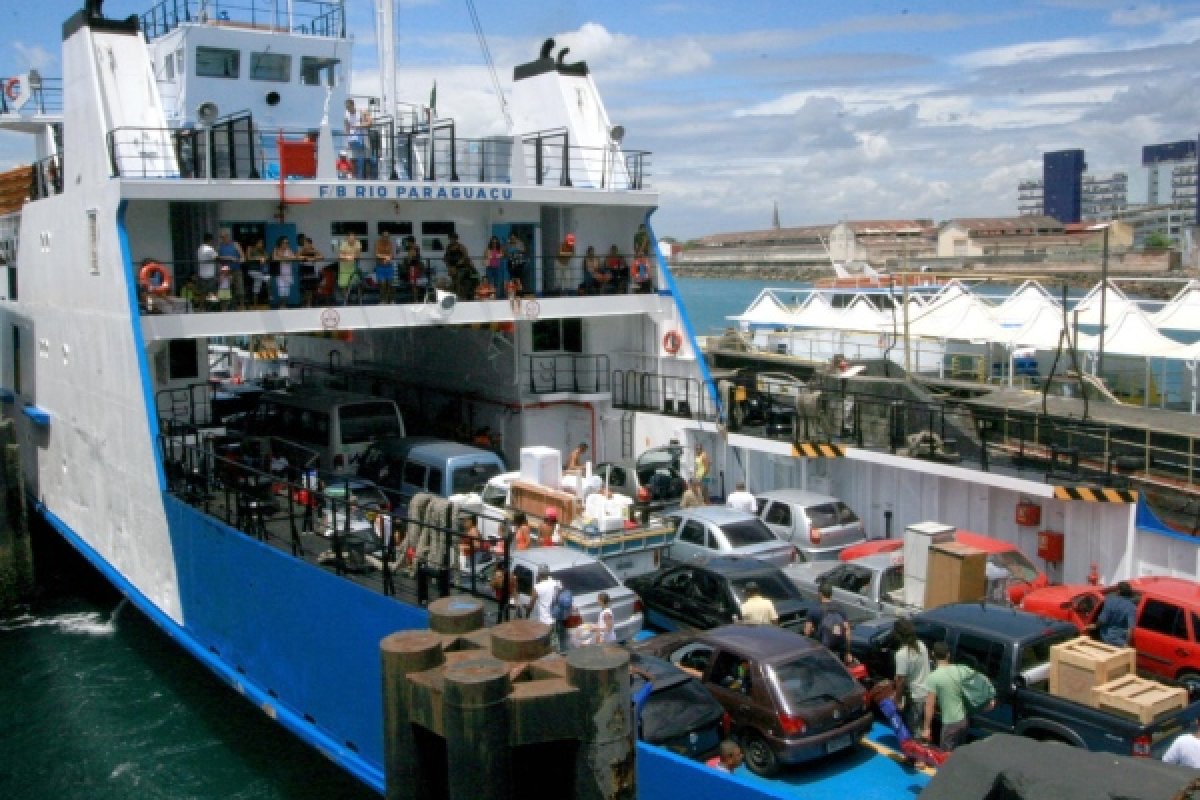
(957, 574)
(1138, 698)
(1080, 665)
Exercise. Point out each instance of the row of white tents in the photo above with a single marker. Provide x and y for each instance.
(1029, 319)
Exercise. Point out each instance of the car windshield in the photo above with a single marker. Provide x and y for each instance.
(751, 531)
(827, 515)
(586, 578)
(363, 422)
(813, 678)
(495, 496)
(771, 585)
(1016, 564)
(470, 479)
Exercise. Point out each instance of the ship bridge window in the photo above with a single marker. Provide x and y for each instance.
(318, 71)
(217, 62)
(558, 335)
(270, 67)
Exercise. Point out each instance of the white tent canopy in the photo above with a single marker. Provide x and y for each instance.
(1133, 334)
(765, 310)
(1022, 306)
(1115, 304)
(1183, 312)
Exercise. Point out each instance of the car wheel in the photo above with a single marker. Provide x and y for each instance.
(760, 758)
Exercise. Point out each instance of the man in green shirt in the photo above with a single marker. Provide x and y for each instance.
(945, 694)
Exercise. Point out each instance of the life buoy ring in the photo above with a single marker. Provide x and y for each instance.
(154, 278)
(12, 89)
(672, 341)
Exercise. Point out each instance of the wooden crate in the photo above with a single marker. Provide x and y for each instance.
(957, 574)
(1138, 698)
(534, 499)
(1080, 665)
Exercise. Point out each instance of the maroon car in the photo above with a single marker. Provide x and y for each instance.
(789, 699)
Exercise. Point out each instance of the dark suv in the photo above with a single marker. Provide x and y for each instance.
(709, 592)
(789, 699)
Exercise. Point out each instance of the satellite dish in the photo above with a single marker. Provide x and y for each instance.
(207, 113)
(617, 133)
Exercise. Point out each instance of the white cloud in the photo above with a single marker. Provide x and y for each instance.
(1028, 51)
(34, 56)
(1145, 14)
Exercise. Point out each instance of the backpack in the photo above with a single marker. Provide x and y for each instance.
(563, 603)
(977, 691)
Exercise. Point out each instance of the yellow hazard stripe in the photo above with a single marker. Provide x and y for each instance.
(1089, 494)
(817, 450)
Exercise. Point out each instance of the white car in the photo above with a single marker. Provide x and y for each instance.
(585, 577)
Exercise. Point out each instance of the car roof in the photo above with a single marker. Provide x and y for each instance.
(430, 447)
(994, 618)
(733, 565)
(714, 514)
(800, 496)
(760, 642)
(878, 562)
(554, 557)
(1180, 589)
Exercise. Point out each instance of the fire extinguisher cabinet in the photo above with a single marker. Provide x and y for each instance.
(1028, 514)
(1050, 546)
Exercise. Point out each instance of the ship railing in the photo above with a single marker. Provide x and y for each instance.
(640, 390)
(325, 18)
(321, 520)
(576, 373)
(551, 159)
(45, 97)
(988, 439)
(46, 178)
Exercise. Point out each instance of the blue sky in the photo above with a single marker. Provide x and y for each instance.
(847, 110)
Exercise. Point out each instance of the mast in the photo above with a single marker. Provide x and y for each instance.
(385, 41)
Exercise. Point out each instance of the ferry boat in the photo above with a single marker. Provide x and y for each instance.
(195, 118)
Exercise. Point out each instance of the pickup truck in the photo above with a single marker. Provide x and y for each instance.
(1013, 649)
(634, 550)
(868, 587)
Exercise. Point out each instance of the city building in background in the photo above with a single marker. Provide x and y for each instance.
(1101, 196)
(1062, 184)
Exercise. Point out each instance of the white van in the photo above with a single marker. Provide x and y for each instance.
(336, 426)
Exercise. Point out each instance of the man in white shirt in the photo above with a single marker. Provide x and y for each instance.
(206, 269)
(757, 610)
(740, 499)
(541, 606)
(1185, 750)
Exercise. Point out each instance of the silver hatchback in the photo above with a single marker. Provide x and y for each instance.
(715, 530)
(818, 525)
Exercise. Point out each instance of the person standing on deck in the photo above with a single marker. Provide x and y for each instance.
(385, 267)
(946, 695)
(701, 471)
(912, 670)
(739, 499)
(756, 609)
(577, 457)
(1114, 623)
(562, 264)
(230, 254)
(206, 271)
(541, 605)
(348, 252)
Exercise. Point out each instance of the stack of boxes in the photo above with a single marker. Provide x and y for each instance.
(1105, 677)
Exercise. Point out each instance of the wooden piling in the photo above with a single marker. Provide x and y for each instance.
(604, 765)
(521, 640)
(405, 654)
(475, 711)
(455, 615)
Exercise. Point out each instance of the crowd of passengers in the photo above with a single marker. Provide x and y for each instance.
(230, 277)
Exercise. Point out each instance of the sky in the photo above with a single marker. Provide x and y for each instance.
(830, 110)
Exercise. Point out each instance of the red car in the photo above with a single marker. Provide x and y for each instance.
(1023, 575)
(1166, 635)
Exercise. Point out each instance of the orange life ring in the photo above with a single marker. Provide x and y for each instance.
(12, 89)
(672, 341)
(154, 277)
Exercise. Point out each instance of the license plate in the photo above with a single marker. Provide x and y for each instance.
(840, 743)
